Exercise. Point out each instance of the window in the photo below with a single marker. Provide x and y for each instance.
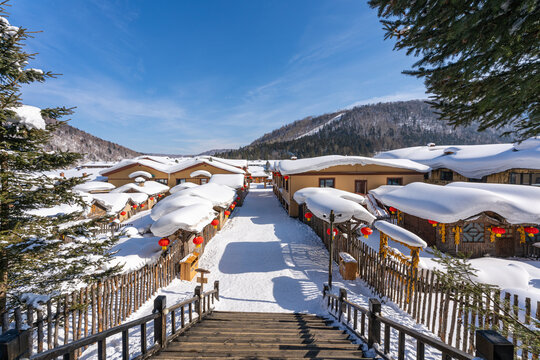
(394, 181)
(482, 180)
(287, 184)
(360, 186)
(204, 181)
(161, 181)
(180, 181)
(473, 233)
(327, 182)
(525, 178)
(447, 175)
(535, 179)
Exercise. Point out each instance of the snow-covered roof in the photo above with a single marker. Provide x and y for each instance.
(143, 162)
(113, 202)
(149, 188)
(220, 195)
(473, 161)
(346, 205)
(196, 161)
(28, 116)
(94, 186)
(138, 198)
(172, 203)
(139, 173)
(257, 171)
(241, 163)
(289, 167)
(235, 181)
(190, 218)
(400, 234)
(182, 186)
(518, 204)
(200, 173)
(63, 209)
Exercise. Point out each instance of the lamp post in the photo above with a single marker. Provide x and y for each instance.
(331, 248)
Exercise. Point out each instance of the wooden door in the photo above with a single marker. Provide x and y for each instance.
(360, 186)
(504, 246)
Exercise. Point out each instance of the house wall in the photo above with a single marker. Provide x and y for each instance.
(498, 178)
(185, 174)
(344, 179)
(121, 176)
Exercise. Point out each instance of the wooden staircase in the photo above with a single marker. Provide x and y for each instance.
(240, 335)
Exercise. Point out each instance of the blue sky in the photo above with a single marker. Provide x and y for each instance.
(188, 76)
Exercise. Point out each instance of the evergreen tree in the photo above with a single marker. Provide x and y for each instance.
(480, 59)
(35, 255)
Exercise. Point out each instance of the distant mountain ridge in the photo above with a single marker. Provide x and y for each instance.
(69, 138)
(363, 130)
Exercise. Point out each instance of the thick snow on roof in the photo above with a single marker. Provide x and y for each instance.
(518, 204)
(113, 202)
(142, 173)
(288, 167)
(219, 195)
(345, 205)
(473, 161)
(400, 234)
(235, 181)
(257, 171)
(63, 209)
(182, 186)
(172, 203)
(28, 116)
(149, 188)
(148, 163)
(233, 162)
(94, 186)
(200, 173)
(195, 161)
(190, 218)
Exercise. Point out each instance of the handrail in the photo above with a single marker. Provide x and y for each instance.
(342, 306)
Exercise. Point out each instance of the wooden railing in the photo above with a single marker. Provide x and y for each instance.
(366, 324)
(168, 324)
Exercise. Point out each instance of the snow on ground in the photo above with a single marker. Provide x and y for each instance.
(265, 261)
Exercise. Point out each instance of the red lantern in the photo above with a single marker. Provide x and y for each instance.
(142, 205)
(233, 206)
(366, 231)
(159, 195)
(531, 231)
(392, 209)
(308, 216)
(198, 240)
(234, 203)
(433, 222)
(238, 198)
(286, 177)
(227, 213)
(151, 198)
(328, 232)
(215, 223)
(123, 213)
(164, 242)
(498, 231)
(134, 206)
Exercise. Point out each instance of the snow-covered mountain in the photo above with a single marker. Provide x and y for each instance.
(67, 137)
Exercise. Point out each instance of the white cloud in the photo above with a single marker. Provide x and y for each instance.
(400, 96)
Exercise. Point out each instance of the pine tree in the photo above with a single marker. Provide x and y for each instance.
(479, 59)
(35, 253)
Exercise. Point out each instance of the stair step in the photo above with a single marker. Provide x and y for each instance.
(212, 319)
(269, 332)
(180, 356)
(230, 346)
(306, 339)
(343, 354)
(274, 326)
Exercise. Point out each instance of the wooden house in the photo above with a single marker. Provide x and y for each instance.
(492, 163)
(476, 219)
(118, 175)
(354, 174)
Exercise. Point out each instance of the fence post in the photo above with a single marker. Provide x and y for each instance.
(198, 302)
(374, 331)
(216, 287)
(493, 346)
(342, 297)
(160, 323)
(14, 344)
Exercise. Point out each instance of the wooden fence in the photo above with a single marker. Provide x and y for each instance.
(418, 292)
(99, 306)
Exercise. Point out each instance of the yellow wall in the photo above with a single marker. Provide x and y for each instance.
(185, 174)
(121, 177)
(344, 179)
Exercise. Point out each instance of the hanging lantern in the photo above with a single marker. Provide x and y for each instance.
(366, 231)
(151, 198)
(232, 206)
(498, 231)
(308, 216)
(198, 240)
(238, 198)
(392, 209)
(123, 213)
(142, 205)
(286, 177)
(227, 213)
(531, 231)
(159, 195)
(335, 232)
(215, 223)
(433, 222)
(234, 203)
(164, 242)
(134, 206)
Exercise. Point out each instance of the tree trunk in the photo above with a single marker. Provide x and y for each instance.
(4, 218)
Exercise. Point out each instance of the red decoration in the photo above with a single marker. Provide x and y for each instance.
(151, 198)
(238, 198)
(123, 213)
(328, 232)
(215, 223)
(134, 206)
(164, 242)
(234, 203)
(233, 206)
(531, 231)
(392, 209)
(198, 240)
(142, 205)
(366, 231)
(227, 213)
(498, 231)
(433, 222)
(308, 216)
(286, 177)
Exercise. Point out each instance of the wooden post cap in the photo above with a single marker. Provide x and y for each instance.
(202, 271)
(493, 346)
(374, 306)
